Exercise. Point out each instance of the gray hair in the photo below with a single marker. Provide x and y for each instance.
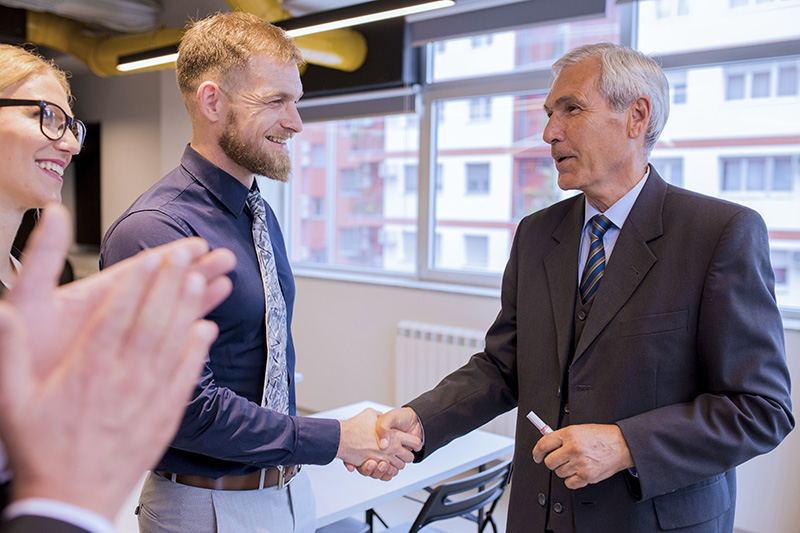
(625, 75)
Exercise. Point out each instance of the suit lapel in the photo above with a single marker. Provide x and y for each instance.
(563, 281)
(630, 261)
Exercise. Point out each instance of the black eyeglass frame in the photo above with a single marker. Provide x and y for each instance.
(72, 124)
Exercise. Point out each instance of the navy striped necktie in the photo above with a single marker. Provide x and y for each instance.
(596, 262)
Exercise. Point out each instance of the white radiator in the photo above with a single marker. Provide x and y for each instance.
(425, 353)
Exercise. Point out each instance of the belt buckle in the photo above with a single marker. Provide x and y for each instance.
(282, 476)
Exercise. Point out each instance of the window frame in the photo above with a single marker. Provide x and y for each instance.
(423, 105)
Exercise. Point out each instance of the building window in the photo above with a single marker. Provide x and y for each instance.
(782, 179)
(476, 251)
(343, 212)
(761, 84)
(477, 178)
(481, 41)
(318, 156)
(765, 80)
(787, 80)
(757, 174)
(480, 109)
(734, 89)
(671, 169)
(411, 178)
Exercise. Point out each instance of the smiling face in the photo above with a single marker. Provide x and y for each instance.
(589, 141)
(31, 165)
(263, 117)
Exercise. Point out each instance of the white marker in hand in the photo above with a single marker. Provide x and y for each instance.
(543, 428)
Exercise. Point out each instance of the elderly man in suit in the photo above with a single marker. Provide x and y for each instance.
(638, 319)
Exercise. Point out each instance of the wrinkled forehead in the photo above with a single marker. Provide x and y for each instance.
(265, 74)
(579, 80)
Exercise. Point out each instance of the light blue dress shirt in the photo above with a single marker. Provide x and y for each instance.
(617, 214)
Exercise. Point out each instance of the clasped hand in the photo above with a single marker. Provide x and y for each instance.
(379, 446)
(584, 454)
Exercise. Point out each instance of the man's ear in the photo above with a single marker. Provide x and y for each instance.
(210, 101)
(639, 116)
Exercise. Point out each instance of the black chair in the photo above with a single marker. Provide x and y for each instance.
(490, 485)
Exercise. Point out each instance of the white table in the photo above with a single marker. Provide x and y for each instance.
(341, 493)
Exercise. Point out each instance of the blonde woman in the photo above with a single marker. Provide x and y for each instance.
(38, 138)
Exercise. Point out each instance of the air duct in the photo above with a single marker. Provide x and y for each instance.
(343, 50)
(99, 52)
(339, 49)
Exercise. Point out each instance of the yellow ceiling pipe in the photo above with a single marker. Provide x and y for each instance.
(340, 49)
(99, 53)
(269, 10)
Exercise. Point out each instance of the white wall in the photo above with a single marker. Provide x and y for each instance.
(344, 334)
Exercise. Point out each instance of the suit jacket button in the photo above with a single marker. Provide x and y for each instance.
(557, 507)
(566, 408)
(542, 499)
(581, 315)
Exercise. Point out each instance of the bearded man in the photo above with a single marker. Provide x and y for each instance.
(240, 441)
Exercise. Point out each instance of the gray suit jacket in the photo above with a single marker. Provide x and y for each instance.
(683, 350)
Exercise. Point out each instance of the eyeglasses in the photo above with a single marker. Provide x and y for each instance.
(53, 121)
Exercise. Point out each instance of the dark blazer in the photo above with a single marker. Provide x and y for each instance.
(38, 524)
(683, 349)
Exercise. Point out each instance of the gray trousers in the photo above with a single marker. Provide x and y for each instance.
(165, 506)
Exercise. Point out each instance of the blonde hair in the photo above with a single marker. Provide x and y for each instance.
(18, 64)
(221, 45)
(625, 75)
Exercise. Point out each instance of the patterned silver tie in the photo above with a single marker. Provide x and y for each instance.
(276, 384)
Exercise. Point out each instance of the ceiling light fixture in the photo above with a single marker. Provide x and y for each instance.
(150, 58)
(358, 14)
(314, 23)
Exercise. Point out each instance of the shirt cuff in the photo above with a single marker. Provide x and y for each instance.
(57, 510)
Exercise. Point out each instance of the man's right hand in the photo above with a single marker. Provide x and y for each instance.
(403, 421)
(387, 450)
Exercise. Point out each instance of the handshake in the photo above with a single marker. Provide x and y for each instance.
(379, 445)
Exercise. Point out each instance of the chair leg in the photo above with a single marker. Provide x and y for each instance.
(371, 515)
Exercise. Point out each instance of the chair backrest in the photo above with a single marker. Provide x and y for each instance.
(490, 485)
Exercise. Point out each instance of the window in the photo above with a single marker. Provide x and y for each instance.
(677, 85)
(471, 147)
(476, 251)
(757, 174)
(318, 156)
(782, 179)
(672, 8)
(761, 84)
(477, 178)
(735, 87)
(787, 80)
(411, 178)
(480, 109)
(781, 264)
(671, 169)
(763, 80)
(363, 200)
(481, 41)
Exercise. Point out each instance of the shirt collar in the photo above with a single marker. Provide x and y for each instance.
(228, 190)
(618, 212)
